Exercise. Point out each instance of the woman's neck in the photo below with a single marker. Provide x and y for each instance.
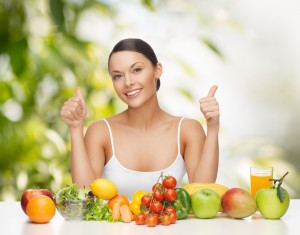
(145, 117)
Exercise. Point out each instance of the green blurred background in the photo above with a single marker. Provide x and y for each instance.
(47, 48)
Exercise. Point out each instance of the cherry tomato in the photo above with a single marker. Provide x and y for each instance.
(140, 219)
(170, 195)
(169, 182)
(146, 200)
(146, 212)
(173, 217)
(165, 219)
(151, 221)
(158, 186)
(158, 195)
(156, 207)
(169, 210)
(157, 216)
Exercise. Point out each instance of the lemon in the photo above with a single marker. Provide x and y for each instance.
(104, 189)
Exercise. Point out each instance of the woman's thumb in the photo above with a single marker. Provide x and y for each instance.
(79, 95)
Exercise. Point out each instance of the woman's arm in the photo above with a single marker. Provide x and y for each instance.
(202, 152)
(73, 113)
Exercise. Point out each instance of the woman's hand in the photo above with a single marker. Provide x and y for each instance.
(74, 110)
(210, 108)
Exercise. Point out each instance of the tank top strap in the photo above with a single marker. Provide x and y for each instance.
(178, 135)
(111, 137)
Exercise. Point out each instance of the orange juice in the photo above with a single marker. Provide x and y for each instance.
(258, 182)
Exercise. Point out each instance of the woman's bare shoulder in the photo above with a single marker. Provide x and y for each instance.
(192, 127)
(97, 131)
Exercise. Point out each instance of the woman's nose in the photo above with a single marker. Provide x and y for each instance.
(129, 81)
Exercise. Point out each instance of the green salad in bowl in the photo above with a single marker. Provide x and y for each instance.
(73, 202)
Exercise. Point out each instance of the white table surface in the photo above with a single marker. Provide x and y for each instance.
(13, 221)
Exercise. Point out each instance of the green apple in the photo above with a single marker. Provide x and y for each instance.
(206, 203)
(269, 204)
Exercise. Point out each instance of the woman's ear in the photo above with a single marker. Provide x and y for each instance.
(158, 70)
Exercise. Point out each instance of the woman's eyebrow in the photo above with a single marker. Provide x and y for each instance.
(117, 71)
(135, 64)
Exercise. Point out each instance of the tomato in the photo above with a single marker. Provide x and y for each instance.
(121, 199)
(157, 216)
(146, 200)
(169, 182)
(146, 212)
(169, 210)
(156, 207)
(170, 195)
(136, 198)
(158, 186)
(165, 219)
(173, 217)
(158, 195)
(140, 219)
(151, 221)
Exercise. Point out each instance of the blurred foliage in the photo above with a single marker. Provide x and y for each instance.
(42, 60)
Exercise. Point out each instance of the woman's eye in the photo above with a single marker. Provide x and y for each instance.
(136, 70)
(117, 76)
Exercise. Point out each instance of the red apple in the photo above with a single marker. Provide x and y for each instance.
(238, 203)
(31, 193)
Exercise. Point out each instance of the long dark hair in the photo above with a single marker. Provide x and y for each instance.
(137, 45)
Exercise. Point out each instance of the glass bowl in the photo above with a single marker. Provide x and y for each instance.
(73, 209)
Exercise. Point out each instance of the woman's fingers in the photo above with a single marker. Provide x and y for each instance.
(212, 91)
(209, 105)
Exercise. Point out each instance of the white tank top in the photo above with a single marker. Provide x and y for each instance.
(129, 181)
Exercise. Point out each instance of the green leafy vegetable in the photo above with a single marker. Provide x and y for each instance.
(71, 201)
(98, 210)
(71, 192)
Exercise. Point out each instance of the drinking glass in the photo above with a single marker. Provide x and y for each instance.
(259, 178)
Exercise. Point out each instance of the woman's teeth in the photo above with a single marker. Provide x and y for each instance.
(133, 92)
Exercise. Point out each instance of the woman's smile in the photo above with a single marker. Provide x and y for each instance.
(133, 93)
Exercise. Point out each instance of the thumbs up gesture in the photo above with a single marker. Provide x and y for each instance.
(74, 110)
(210, 108)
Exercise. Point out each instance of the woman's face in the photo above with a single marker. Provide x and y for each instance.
(134, 77)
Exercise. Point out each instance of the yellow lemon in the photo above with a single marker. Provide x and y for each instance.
(104, 189)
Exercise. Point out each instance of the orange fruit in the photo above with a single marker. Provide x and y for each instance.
(40, 209)
(120, 199)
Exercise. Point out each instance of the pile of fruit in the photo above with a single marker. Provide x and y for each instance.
(164, 205)
(38, 205)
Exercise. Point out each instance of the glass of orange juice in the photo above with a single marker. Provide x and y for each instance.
(259, 178)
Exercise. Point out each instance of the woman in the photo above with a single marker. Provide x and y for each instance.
(133, 147)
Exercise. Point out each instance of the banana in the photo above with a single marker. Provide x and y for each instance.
(194, 187)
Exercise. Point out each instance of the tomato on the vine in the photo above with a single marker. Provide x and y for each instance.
(157, 216)
(157, 186)
(170, 195)
(151, 221)
(156, 207)
(158, 195)
(169, 210)
(165, 219)
(140, 219)
(169, 182)
(146, 200)
(173, 217)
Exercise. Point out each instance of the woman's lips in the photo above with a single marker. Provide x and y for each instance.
(133, 92)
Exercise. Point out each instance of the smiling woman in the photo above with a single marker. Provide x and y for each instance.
(134, 147)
